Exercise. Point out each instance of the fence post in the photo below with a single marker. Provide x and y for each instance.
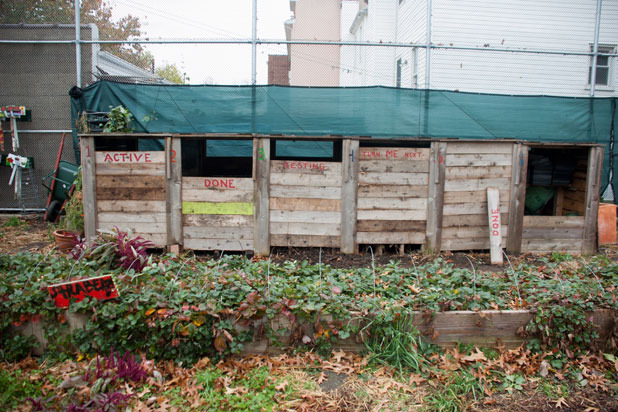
(261, 196)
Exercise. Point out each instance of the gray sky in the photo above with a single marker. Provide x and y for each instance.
(184, 19)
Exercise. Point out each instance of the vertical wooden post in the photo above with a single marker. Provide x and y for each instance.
(495, 225)
(261, 197)
(435, 202)
(593, 190)
(173, 192)
(559, 201)
(517, 201)
(349, 186)
(89, 186)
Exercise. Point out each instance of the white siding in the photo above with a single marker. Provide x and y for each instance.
(548, 25)
(412, 28)
(517, 24)
(380, 69)
(347, 75)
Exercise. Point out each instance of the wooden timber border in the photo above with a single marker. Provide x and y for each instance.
(445, 329)
(384, 191)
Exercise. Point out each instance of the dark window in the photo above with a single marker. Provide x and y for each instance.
(324, 150)
(112, 144)
(215, 157)
(398, 72)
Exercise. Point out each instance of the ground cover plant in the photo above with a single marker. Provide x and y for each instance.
(180, 310)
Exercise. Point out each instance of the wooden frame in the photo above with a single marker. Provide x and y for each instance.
(364, 199)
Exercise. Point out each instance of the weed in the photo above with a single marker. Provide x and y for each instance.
(255, 391)
(14, 221)
(554, 390)
(513, 382)
(454, 394)
(14, 390)
(560, 257)
(393, 340)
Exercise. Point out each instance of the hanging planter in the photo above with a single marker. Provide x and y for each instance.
(66, 239)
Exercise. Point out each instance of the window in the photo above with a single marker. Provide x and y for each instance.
(219, 158)
(603, 71)
(556, 183)
(326, 151)
(398, 72)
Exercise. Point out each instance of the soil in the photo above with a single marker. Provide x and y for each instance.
(532, 400)
(24, 233)
(35, 235)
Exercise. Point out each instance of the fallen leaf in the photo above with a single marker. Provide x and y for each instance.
(338, 355)
(220, 343)
(414, 288)
(149, 312)
(560, 402)
(475, 357)
(202, 363)
(199, 321)
(416, 379)
(282, 386)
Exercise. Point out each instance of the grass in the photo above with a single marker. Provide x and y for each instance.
(256, 391)
(14, 221)
(456, 393)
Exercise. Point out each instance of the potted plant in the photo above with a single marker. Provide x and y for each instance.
(70, 227)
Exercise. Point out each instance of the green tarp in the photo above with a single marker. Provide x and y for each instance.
(355, 111)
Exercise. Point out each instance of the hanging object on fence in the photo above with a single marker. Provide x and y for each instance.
(17, 163)
(12, 113)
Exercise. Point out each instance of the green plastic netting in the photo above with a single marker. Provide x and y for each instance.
(356, 111)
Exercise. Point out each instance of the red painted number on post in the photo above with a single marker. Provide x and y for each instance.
(87, 151)
(173, 156)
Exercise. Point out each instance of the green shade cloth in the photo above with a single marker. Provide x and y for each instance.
(380, 112)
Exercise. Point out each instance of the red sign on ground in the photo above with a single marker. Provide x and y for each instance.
(101, 288)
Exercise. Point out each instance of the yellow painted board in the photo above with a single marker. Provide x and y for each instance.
(210, 208)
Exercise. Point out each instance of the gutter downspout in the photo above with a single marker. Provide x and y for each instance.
(595, 49)
(428, 47)
(427, 72)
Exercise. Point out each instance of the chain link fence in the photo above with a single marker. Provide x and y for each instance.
(523, 47)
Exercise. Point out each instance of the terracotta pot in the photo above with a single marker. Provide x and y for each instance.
(65, 239)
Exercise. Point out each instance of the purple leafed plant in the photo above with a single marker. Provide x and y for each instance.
(40, 404)
(117, 248)
(103, 402)
(125, 368)
(132, 251)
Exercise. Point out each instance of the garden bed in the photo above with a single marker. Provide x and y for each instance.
(179, 307)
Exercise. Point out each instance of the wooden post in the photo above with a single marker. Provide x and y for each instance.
(261, 197)
(519, 176)
(89, 187)
(435, 201)
(350, 166)
(495, 226)
(173, 195)
(593, 189)
(559, 201)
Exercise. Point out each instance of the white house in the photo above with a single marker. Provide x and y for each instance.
(489, 46)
